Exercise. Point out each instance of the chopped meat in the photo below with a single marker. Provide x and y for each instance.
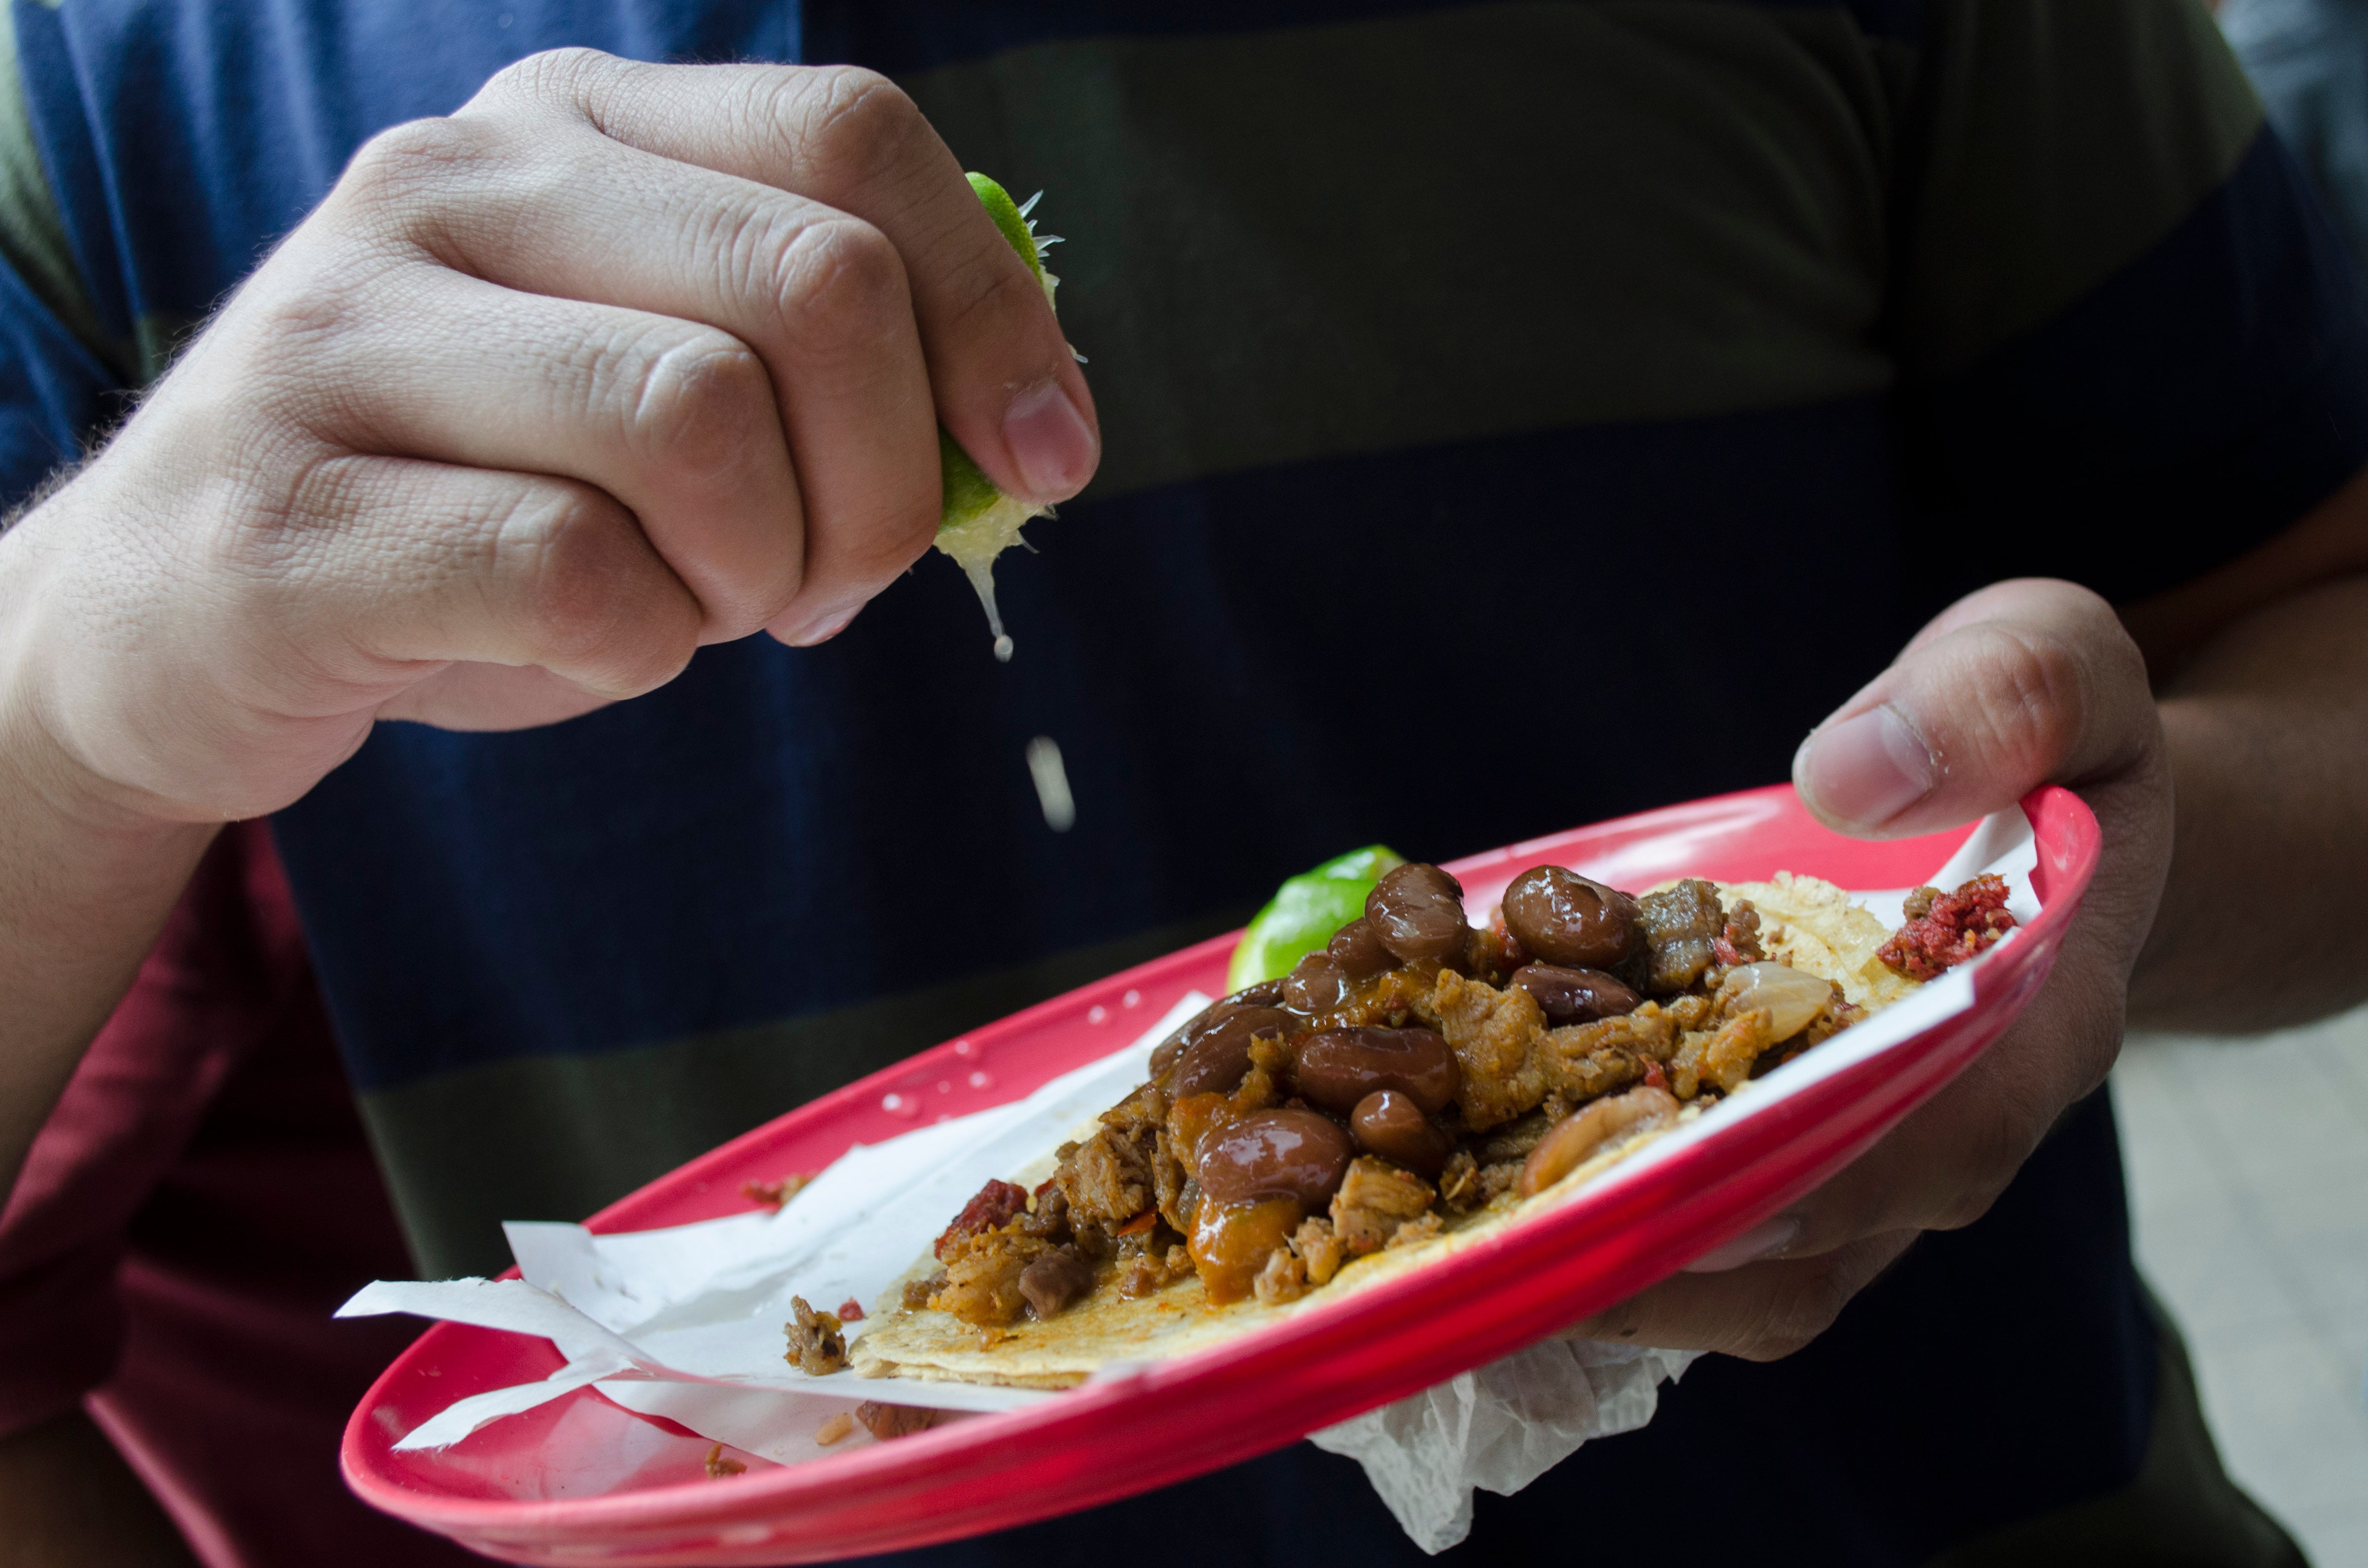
(1739, 942)
(918, 1291)
(1283, 1278)
(817, 1345)
(1688, 1012)
(1590, 1061)
(982, 1278)
(1492, 1033)
(1319, 1250)
(1271, 1053)
(1499, 1178)
(835, 1428)
(1918, 903)
(1055, 1280)
(1152, 1270)
(1141, 1111)
(773, 1194)
(1516, 1138)
(1172, 1184)
(1374, 1199)
(718, 1467)
(1108, 1179)
(1047, 1214)
(850, 1310)
(1415, 1231)
(990, 1209)
(1587, 1062)
(886, 1420)
(1840, 1014)
(1721, 1059)
(1680, 924)
(1953, 927)
(1459, 1183)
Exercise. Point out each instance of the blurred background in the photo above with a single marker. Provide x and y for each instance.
(2248, 1166)
(2248, 1161)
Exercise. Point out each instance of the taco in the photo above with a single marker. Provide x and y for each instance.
(1405, 1090)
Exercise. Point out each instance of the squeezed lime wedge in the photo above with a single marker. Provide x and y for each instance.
(1306, 912)
(977, 522)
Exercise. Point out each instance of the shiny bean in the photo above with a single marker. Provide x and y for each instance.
(1417, 912)
(1357, 949)
(1575, 996)
(1317, 984)
(1339, 1067)
(1217, 1019)
(1388, 1123)
(1564, 918)
(1214, 1062)
(1297, 1154)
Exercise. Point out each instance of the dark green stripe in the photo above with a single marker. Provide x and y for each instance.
(2065, 139)
(1315, 241)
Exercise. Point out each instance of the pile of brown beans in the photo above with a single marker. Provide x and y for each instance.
(1378, 1089)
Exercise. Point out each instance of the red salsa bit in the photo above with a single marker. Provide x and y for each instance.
(992, 1210)
(850, 1310)
(1944, 929)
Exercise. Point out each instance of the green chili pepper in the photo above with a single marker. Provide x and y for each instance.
(1306, 911)
(978, 522)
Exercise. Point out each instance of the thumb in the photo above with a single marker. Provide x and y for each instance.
(2025, 683)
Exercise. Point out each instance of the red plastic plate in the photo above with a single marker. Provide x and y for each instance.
(583, 1481)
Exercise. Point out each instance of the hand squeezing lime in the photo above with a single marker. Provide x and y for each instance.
(979, 522)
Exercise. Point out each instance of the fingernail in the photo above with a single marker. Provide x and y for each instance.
(1051, 442)
(1768, 1236)
(1865, 770)
(821, 630)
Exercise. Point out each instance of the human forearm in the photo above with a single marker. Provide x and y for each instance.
(86, 882)
(2267, 731)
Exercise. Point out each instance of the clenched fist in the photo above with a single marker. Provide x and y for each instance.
(618, 360)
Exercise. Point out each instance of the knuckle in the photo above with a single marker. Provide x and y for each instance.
(401, 164)
(2029, 695)
(275, 526)
(840, 284)
(554, 76)
(854, 124)
(699, 409)
(595, 610)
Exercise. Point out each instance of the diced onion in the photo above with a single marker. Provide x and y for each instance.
(1793, 999)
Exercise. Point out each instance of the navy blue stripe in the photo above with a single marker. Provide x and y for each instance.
(2188, 409)
(56, 92)
(1445, 649)
(52, 390)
